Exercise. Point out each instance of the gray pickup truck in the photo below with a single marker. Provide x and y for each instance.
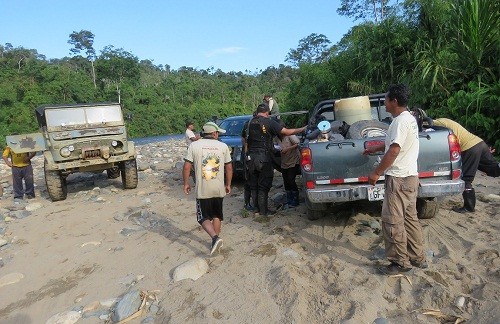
(334, 170)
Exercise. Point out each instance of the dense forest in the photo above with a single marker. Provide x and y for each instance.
(447, 51)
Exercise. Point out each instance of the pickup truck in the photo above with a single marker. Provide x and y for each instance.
(336, 171)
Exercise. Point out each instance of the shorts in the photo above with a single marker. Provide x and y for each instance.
(208, 209)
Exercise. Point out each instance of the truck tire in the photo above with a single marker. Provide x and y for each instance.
(314, 214)
(314, 211)
(113, 173)
(129, 174)
(367, 128)
(427, 208)
(56, 185)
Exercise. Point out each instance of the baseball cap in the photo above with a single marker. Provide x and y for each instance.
(211, 127)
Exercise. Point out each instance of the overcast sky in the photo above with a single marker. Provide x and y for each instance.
(227, 35)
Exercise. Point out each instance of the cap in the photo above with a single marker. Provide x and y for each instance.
(211, 127)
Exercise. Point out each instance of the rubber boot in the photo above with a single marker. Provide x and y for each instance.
(255, 201)
(289, 198)
(247, 195)
(469, 196)
(295, 198)
(263, 208)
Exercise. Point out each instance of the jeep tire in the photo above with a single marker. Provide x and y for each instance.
(129, 174)
(56, 184)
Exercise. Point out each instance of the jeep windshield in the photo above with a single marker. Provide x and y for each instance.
(81, 117)
(233, 127)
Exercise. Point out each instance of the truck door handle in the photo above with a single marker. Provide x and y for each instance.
(340, 144)
(427, 136)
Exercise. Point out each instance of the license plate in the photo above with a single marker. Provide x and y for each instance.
(375, 193)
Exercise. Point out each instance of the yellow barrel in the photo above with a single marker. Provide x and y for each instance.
(353, 109)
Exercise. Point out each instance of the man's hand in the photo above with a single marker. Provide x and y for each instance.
(187, 188)
(228, 189)
(373, 178)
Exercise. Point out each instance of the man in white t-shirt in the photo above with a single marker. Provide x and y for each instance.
(190, 136)
(401, 228)
(211, 161)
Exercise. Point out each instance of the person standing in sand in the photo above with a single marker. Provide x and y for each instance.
(189, 134)
(21, 170)
(401, 228)
(211, 161)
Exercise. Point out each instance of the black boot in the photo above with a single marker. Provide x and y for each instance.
(295, 198)
(469, 196)
(247, 195)
(255, 201)
(289, 198)
(263, 208)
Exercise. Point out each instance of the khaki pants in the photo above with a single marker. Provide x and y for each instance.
(400, 226)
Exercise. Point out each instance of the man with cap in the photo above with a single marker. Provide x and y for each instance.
(261, 131)
(211, 161)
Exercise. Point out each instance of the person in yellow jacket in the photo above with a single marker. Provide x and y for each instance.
(21, 170)
(476, 155)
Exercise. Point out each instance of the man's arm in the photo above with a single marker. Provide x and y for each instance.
(292, 131)
(7, 161)
(228, 170)
(373, 149)
(186, 170)
(29, 156)
(388, 159)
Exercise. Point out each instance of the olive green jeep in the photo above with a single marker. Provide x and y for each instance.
(80, 138)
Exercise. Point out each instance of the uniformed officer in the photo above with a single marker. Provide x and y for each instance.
(261, 131)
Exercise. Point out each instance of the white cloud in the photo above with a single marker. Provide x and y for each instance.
(224, 51)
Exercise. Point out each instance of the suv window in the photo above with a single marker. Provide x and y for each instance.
(233, 127)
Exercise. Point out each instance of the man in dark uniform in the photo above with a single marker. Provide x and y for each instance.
(261, 131)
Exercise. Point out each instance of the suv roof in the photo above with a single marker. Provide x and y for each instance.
(245, 117)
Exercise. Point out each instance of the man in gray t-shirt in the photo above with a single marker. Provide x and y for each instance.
(211, 161)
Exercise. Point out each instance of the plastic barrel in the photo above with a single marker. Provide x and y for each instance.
(353, 109)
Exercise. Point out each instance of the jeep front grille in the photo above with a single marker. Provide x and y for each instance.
(90, 154)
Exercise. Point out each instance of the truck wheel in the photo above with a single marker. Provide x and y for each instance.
(129, 174)
(113, 173)
(314, 214)
(56, 185)
(427, 208)
(367, 128)
(314, 211)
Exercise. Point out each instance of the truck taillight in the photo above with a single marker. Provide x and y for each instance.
(456, 174)
(454, 148)
(306, 159)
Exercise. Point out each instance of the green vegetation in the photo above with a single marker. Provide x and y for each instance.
(447, 51)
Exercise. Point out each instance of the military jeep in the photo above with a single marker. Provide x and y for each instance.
(80, 138)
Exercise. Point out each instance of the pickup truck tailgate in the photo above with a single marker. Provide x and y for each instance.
(340, 170)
